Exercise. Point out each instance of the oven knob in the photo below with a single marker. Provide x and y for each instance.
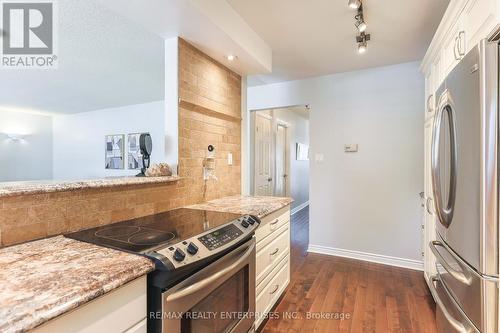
(244, 224)
(179, 255)
(192, 249)
(250, 220)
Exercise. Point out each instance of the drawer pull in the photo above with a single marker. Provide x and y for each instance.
(275, 251)
(276, 287)
(275, 222)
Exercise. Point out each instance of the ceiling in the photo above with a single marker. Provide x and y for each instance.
(212, 26)
(317, 37)
(105, 61)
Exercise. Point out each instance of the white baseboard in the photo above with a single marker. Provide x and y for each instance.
(371, 257)
(299, 207)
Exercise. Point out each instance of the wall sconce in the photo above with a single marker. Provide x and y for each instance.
(15, 137)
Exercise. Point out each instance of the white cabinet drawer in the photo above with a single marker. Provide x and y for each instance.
(270, 293)
(268, 256)
(117, 311)
(271, 223)
(140, 327)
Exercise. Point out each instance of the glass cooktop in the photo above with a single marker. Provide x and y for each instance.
(152, 232)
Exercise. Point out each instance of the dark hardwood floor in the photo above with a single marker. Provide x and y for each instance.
(370, 297)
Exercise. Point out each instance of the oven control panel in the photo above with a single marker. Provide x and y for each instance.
(220, 237)
(209, 243)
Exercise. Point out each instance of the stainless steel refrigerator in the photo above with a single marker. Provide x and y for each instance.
(464, 171)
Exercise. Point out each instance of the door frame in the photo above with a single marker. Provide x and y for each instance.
(286, 125)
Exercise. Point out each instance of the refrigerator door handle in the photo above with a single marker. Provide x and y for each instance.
(458, 275)
(445, 214)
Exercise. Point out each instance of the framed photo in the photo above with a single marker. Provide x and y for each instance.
(302, 152)
(134, 160)
(114, 150)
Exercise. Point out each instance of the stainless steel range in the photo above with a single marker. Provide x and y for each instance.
(204, 279)
(465, 187)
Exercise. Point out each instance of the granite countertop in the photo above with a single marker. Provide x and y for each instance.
(38, 187)
(43, 279)
(238, 204)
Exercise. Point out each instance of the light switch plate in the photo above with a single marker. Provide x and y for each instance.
(319, 158)
(229, 159)
(351, 148)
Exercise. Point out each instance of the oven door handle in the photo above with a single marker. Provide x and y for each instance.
(194, 288)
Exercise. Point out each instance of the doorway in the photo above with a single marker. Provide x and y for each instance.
(279, 160)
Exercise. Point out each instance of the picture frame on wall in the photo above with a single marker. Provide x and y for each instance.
(134, 156)
(114, 151)
(302, 152)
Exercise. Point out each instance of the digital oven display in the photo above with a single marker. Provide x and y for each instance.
(220, 237)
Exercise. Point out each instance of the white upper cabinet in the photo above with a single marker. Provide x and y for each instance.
(464, 24)
(480, 17)
(453, 46)
(429, 95)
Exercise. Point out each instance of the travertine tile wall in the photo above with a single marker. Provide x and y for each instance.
(209, 113)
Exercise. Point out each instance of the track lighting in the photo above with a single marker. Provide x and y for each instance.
(362, 42)
(354, 4)
(360, 24)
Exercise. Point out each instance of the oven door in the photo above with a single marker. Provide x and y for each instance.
(218, 299)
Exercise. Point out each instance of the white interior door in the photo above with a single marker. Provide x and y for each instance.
(263, 139)
(281, 161)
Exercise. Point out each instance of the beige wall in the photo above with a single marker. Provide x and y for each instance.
(209, 113)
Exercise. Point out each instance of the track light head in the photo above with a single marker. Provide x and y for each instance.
(360, 25)
(354, 4)
(361, 47)
(362, 42)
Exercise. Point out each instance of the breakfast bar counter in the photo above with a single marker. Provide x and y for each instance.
(43, 279)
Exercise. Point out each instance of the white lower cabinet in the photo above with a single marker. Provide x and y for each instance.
(271, 291)
(272, 261)
(121, 310)
(140, 327)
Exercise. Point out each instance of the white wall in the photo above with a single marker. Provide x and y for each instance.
(31, 157)
(79, 138)
(366, 201)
